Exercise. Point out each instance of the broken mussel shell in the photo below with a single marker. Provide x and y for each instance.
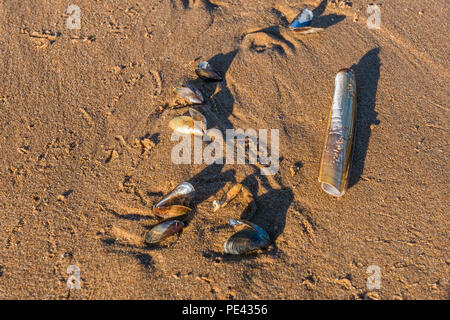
(247, 240)
(230, 195)
(302, 23)
(163, 231)
(176, 203)
(337, 152)
(189, 125)
(188, 95)
(205, 72)
(247, 199)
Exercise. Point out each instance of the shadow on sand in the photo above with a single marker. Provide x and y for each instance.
(367, 76)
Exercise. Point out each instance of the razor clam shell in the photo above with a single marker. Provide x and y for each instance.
(205, 72)
(245, 241)
(185, 125)
(181, 195)
(304, 19)
(163, 231)
(189, 94)
(337, 152)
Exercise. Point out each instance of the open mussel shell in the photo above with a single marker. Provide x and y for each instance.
(189, 95)
(182, 195)
(337, 152)
(205, 72)
(303, 20)
(186, 125)
(261, 231)
(247, 240)
(173, 211)
(163, 231)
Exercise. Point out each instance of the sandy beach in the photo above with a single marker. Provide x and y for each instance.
(86, 149)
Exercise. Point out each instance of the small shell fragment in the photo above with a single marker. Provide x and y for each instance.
(230, 195)
(205, 72)
(163, 231)
(189, 95)
(198, 118)
(304, 19)
(302, 23)
(249, 239)
(337, 152)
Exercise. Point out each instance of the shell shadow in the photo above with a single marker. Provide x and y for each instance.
(272, 207)
(274, 32)
(143, 258)
(320, 8)
(328, 20)
(367, 72)
(209, 181)
(320, 21)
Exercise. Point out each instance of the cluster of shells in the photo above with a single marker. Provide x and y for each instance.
(195, 123)
(175, 206)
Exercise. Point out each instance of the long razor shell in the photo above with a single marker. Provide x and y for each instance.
(181, 195)
(205, 72)
(173, 211)
(163, 231)
(185, 125)
(337, 153)
(247, 240)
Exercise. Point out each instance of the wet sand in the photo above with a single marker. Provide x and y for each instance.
(86, 151)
